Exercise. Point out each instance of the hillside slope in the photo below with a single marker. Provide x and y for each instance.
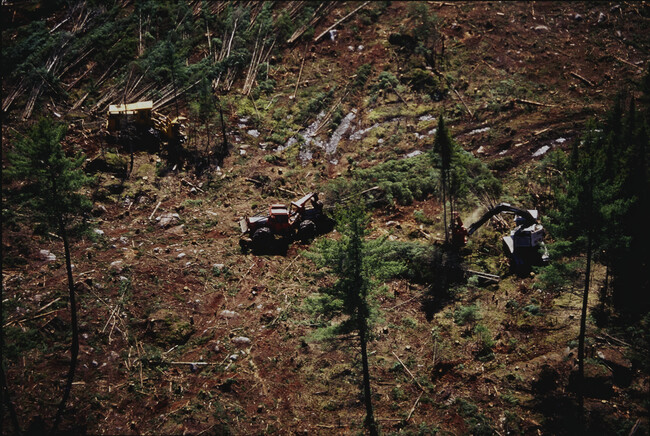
(166, 293)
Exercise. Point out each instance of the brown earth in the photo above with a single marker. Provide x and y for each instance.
(157, 351)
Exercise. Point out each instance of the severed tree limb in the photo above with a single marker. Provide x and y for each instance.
(408, 371)
(587, 81)
(322, 10)
(154, 211)
(471, 115)
(300, 73)
(414, 406)
(533, 103)
(627, 62)
(340, 21)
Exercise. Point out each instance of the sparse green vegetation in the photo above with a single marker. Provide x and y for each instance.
(180, 328)
(466, 315)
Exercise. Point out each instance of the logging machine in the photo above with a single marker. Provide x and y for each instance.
(525, 244)
(296, 221)
(141, 117)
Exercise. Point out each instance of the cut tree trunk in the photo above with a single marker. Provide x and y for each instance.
(74, 349)
(333, 26)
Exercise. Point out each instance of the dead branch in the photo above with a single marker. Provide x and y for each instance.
(471, 115)
(154, 211)
(191, 185)
(103, 76)
(29, 318)
(587, 81)
(340, 21)
(48, 305)
(165, 101)
(408, 371)
(300, 74)
(321, 11)
(59, 25)
(75, 63)
(78, 79)
(80, 102)
(533, 103)
(627, 62)
(635, 427)
(15, 93)
(402, 303)
(288, 191)
(414, 406)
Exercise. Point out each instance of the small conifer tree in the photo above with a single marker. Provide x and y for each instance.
(356, 263)
(52, 193)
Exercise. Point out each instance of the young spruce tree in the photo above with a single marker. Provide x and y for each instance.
(357, 263)
(52, 193)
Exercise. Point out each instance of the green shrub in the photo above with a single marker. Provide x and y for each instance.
(317, 104)
(400, 181)
(385, 80)
(466, 314)
(477, 423)
(425, 82)
(398, 394)
(421, 218)
(484, 342)
(533, 309)
(409, 322)
(115, 163)
(503, 164)
(264, 87)
(465, 408)
(510, 399)
(19, 341)
(362, 74)
(337, 117)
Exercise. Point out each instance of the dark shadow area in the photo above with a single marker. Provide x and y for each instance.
(272, 247)
(443, 269)
(555, 399)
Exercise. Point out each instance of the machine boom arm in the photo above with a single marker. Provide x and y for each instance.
(503, 207)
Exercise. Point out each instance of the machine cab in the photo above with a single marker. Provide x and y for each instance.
(279, 218)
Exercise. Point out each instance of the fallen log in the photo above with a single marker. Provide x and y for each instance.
(322, 10)
(192, 185)
(408, 371)
(300, 73)
(471, 115)
(154, 211)
(333, 26)
(626, 62)
(585, 80)
(532, 103)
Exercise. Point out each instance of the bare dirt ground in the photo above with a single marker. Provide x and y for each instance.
(182, 333)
